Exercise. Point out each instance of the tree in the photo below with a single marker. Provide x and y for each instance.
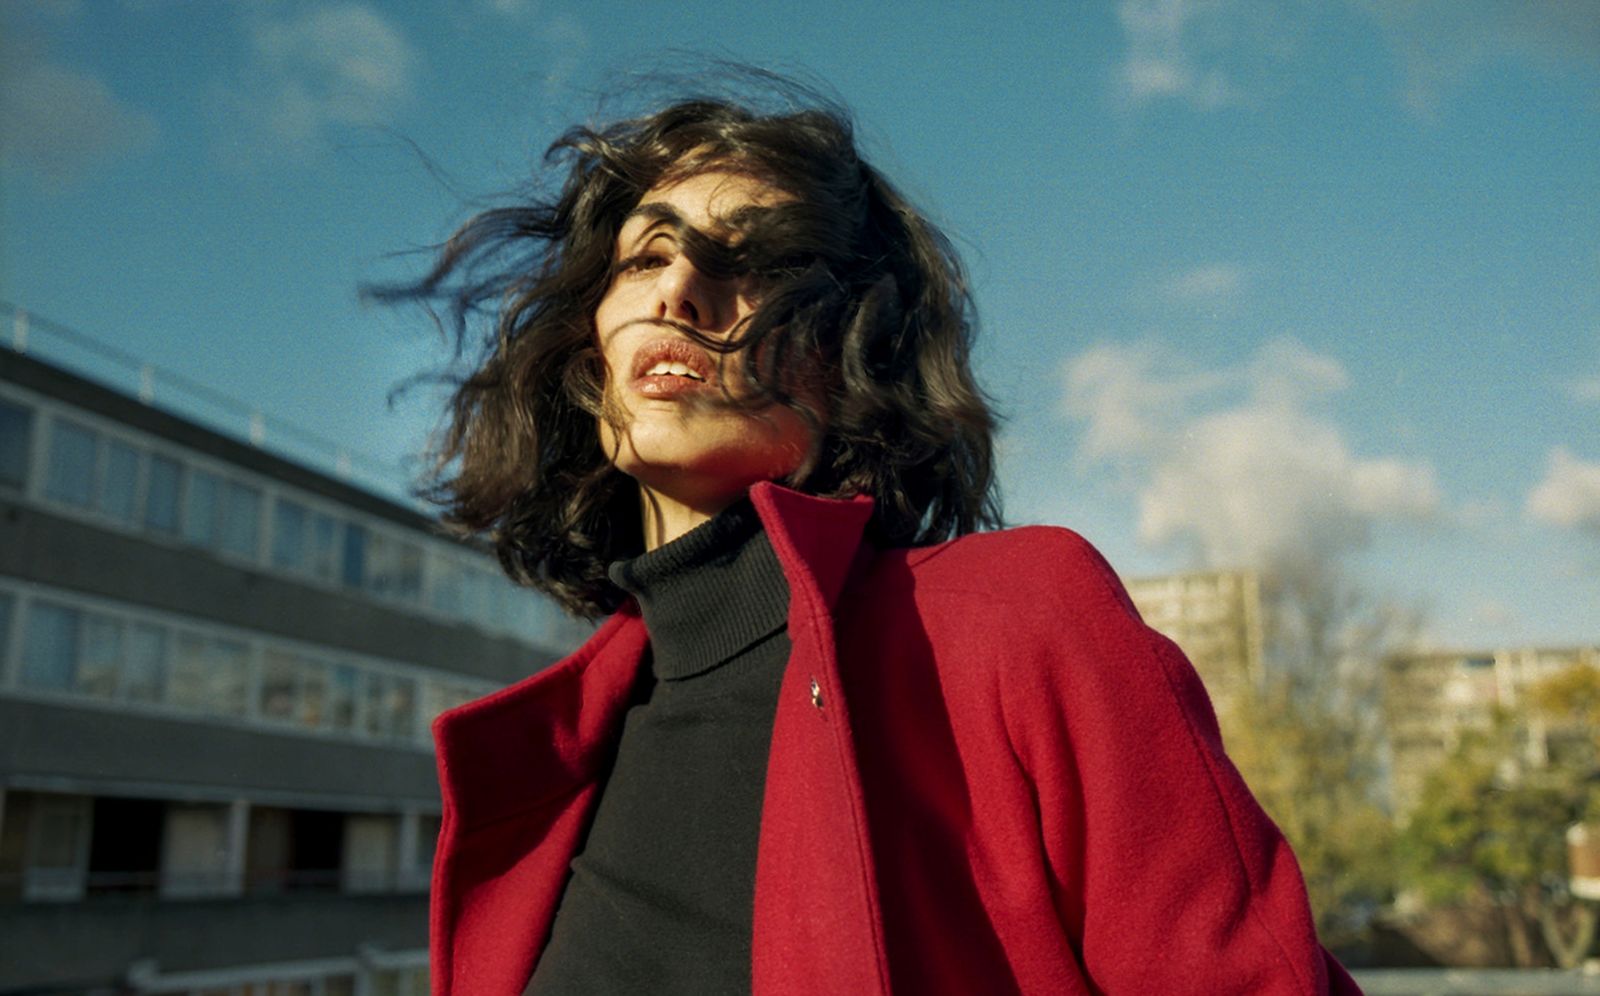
(1315, 773)
(1566, 705)
(1307, 738)
(1490, 827)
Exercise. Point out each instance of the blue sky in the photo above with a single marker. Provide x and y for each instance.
(1257, 281)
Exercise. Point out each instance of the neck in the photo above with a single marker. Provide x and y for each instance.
(666, 518)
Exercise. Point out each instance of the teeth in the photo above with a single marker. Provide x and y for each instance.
(673, 368)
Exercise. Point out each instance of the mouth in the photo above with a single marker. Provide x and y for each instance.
(667, 367)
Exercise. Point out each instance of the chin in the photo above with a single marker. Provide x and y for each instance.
(698, 483)
(703, 467)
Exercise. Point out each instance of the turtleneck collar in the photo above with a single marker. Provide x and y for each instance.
(709, 594)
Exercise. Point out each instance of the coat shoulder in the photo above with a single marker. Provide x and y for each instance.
(1039, 617)
(1037, 566)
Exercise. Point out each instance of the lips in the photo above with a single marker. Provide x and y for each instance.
(670, 366)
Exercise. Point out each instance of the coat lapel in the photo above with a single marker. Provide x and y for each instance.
(520, 775)
(519, 771)
(817, 921)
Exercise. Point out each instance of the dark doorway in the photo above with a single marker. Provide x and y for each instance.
(125, 846)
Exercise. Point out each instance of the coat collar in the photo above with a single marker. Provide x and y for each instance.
(552, 732)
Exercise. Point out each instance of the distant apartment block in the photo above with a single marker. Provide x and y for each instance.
(1215, 617)
(217, 672)
(1432, 698)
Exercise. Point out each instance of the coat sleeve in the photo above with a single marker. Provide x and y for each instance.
(1166, 870)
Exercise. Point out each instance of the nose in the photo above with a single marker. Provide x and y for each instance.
(684, 294)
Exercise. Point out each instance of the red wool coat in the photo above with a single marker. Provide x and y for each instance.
(986, 776)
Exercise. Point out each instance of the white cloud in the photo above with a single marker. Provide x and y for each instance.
(1161, 62)
(1125, 395)
(1585, 390)
(1208, 283)
(59, 122)
(1206, 53)
(509, 8)
(566, 43)
(326, 67)
(1240, 464)
(1569, 495)
(1442, 45)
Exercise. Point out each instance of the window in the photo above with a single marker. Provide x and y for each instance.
(210, 675)
(437, 696)
(241, 519)
(16, 425)
(341, 713)
(389, 705)
(444, 590)
(101, 656)
(355, 554)
(381, 572)
(161, 495)
(280, 674)
(120, 496)
(297, 690)
(50, 651)
(144, 675)
(7, 606)
(313, 693)
(230, 676)
(304, 540)
(289, 535)
(200, 508)
(55, 859)
(222, 514)
(324, 546)
(116, 656)
(70, 479)
(480, 586)
(408, 571)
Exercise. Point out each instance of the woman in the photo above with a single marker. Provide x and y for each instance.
(832, 739)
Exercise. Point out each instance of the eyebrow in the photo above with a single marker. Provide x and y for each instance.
(655, 211)
(659, 213)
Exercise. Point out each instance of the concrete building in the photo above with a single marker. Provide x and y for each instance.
(1432, 697)
(217, 672)
(1215, 616)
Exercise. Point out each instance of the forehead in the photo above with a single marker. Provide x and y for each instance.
(704, 200)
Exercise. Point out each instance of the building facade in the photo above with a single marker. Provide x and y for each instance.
(1432, 698)
(217, 672)
(1215, 617)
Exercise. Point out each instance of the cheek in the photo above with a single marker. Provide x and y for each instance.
(790, 439)
(608, 441)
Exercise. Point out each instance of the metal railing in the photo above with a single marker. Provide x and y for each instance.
(185, 397)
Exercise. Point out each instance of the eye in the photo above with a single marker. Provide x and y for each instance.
(784, 268)
(640, 262)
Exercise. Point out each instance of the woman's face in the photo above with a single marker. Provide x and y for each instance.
(679, 436)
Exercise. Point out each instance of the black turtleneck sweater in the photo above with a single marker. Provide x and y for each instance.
(662, 893)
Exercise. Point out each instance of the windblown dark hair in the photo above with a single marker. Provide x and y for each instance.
(864, 328)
